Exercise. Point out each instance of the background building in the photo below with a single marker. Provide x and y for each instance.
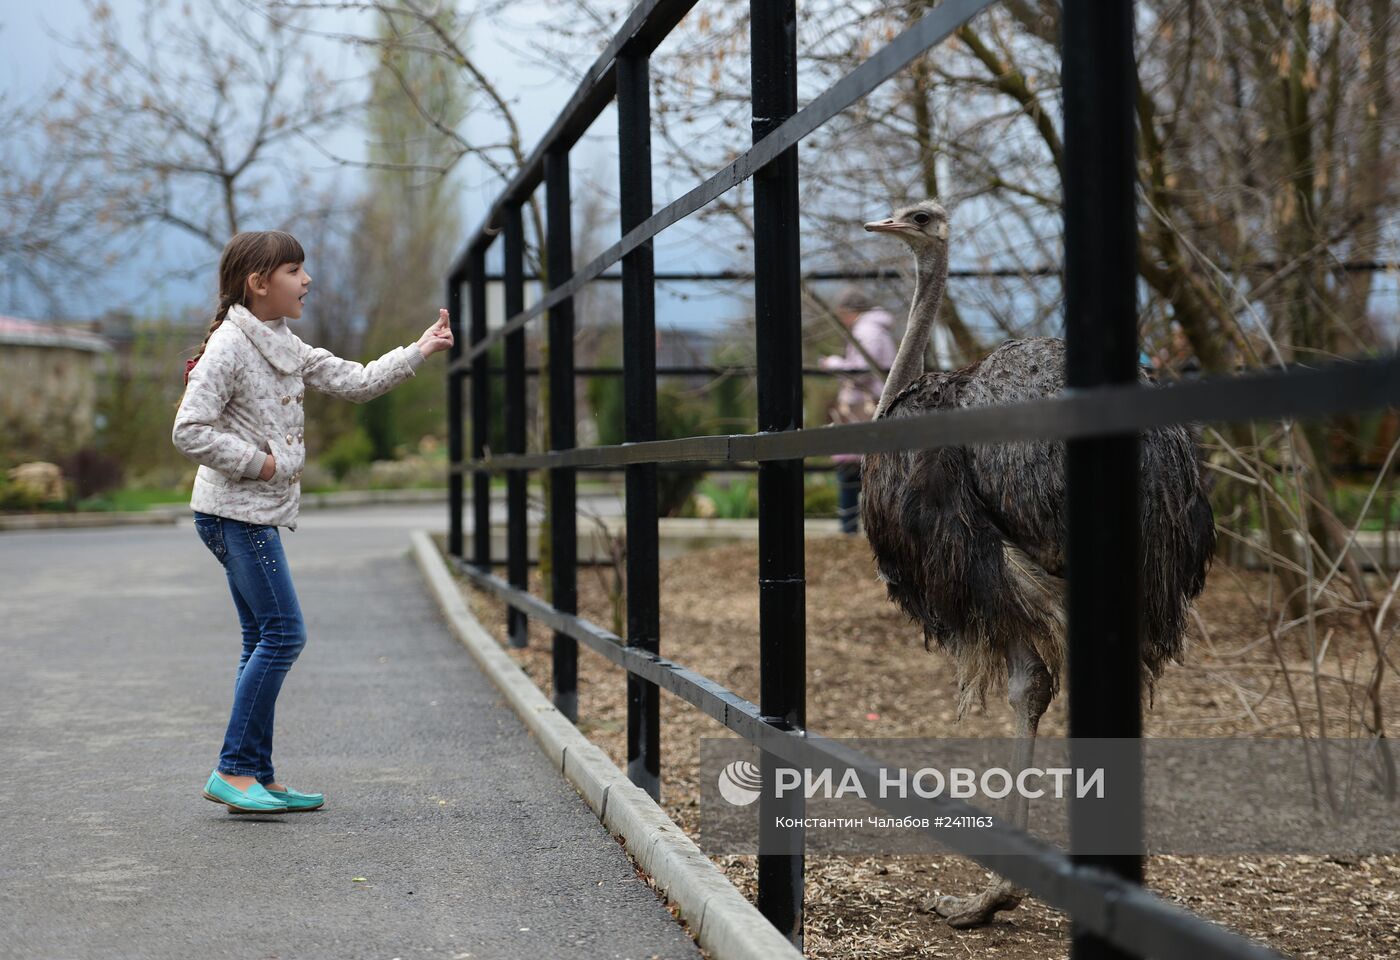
(48, 404)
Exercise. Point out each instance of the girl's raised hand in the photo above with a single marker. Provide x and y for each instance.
(438, 336)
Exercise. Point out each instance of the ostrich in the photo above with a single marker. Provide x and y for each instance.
(970, 541)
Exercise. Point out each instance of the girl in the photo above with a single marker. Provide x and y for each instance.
(241, 420)
(872, 328)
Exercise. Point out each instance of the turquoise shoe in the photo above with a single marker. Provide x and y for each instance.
(296, 801)
(255, 799)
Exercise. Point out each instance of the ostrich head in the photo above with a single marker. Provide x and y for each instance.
(924, 226)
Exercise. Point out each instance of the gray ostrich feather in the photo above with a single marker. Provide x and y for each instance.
(970, 540)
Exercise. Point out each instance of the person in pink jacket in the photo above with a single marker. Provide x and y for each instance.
(860, 390)
(241, 419)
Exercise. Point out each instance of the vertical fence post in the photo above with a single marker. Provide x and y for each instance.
(563, 530)
(1102, 472)
(778, 314)
(517, 534)
(481, 416)
(454, 420)
(639, 389)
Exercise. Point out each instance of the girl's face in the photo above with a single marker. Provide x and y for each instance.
(281, 293)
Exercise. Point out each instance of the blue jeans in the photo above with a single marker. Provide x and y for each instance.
(273, 635)
(848, 496)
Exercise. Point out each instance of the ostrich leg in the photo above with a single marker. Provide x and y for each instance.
(1028, 691)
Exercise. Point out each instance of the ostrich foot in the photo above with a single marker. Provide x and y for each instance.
(976, 910)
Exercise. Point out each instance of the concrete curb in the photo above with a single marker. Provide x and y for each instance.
(723, 921)
(173, 513)
(114, 518)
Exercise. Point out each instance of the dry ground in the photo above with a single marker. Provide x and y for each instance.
(869, 676)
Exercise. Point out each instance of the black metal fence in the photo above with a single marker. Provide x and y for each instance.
(1100, 417)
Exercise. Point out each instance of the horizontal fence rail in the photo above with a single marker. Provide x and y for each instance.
(991, 273)
(1298, 393)
(1100, 417)
(965, 273)
(701, 371)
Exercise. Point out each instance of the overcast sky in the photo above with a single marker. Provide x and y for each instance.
(33, 61)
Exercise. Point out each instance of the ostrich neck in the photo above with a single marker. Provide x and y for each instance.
(930, 276)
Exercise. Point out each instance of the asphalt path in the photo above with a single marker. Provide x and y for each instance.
(446, 833)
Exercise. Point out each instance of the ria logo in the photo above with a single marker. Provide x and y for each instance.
(740, 783)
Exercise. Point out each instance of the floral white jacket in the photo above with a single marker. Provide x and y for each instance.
(244, 399)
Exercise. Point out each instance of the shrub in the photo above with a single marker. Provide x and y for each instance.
(676, 416)
(350, 450)
(18, 496)
(410, 473)
(819, 499)
(735, 499)
(316, 477)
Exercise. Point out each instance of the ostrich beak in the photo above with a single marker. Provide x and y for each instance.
(888, 225)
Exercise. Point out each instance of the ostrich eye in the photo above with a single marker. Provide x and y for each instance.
(922, 218)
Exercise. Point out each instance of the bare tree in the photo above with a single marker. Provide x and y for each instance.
(410, 226)
(48, 234)
(420, 28)
(189, 123)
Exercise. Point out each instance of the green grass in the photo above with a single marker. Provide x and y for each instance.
(137, 498)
